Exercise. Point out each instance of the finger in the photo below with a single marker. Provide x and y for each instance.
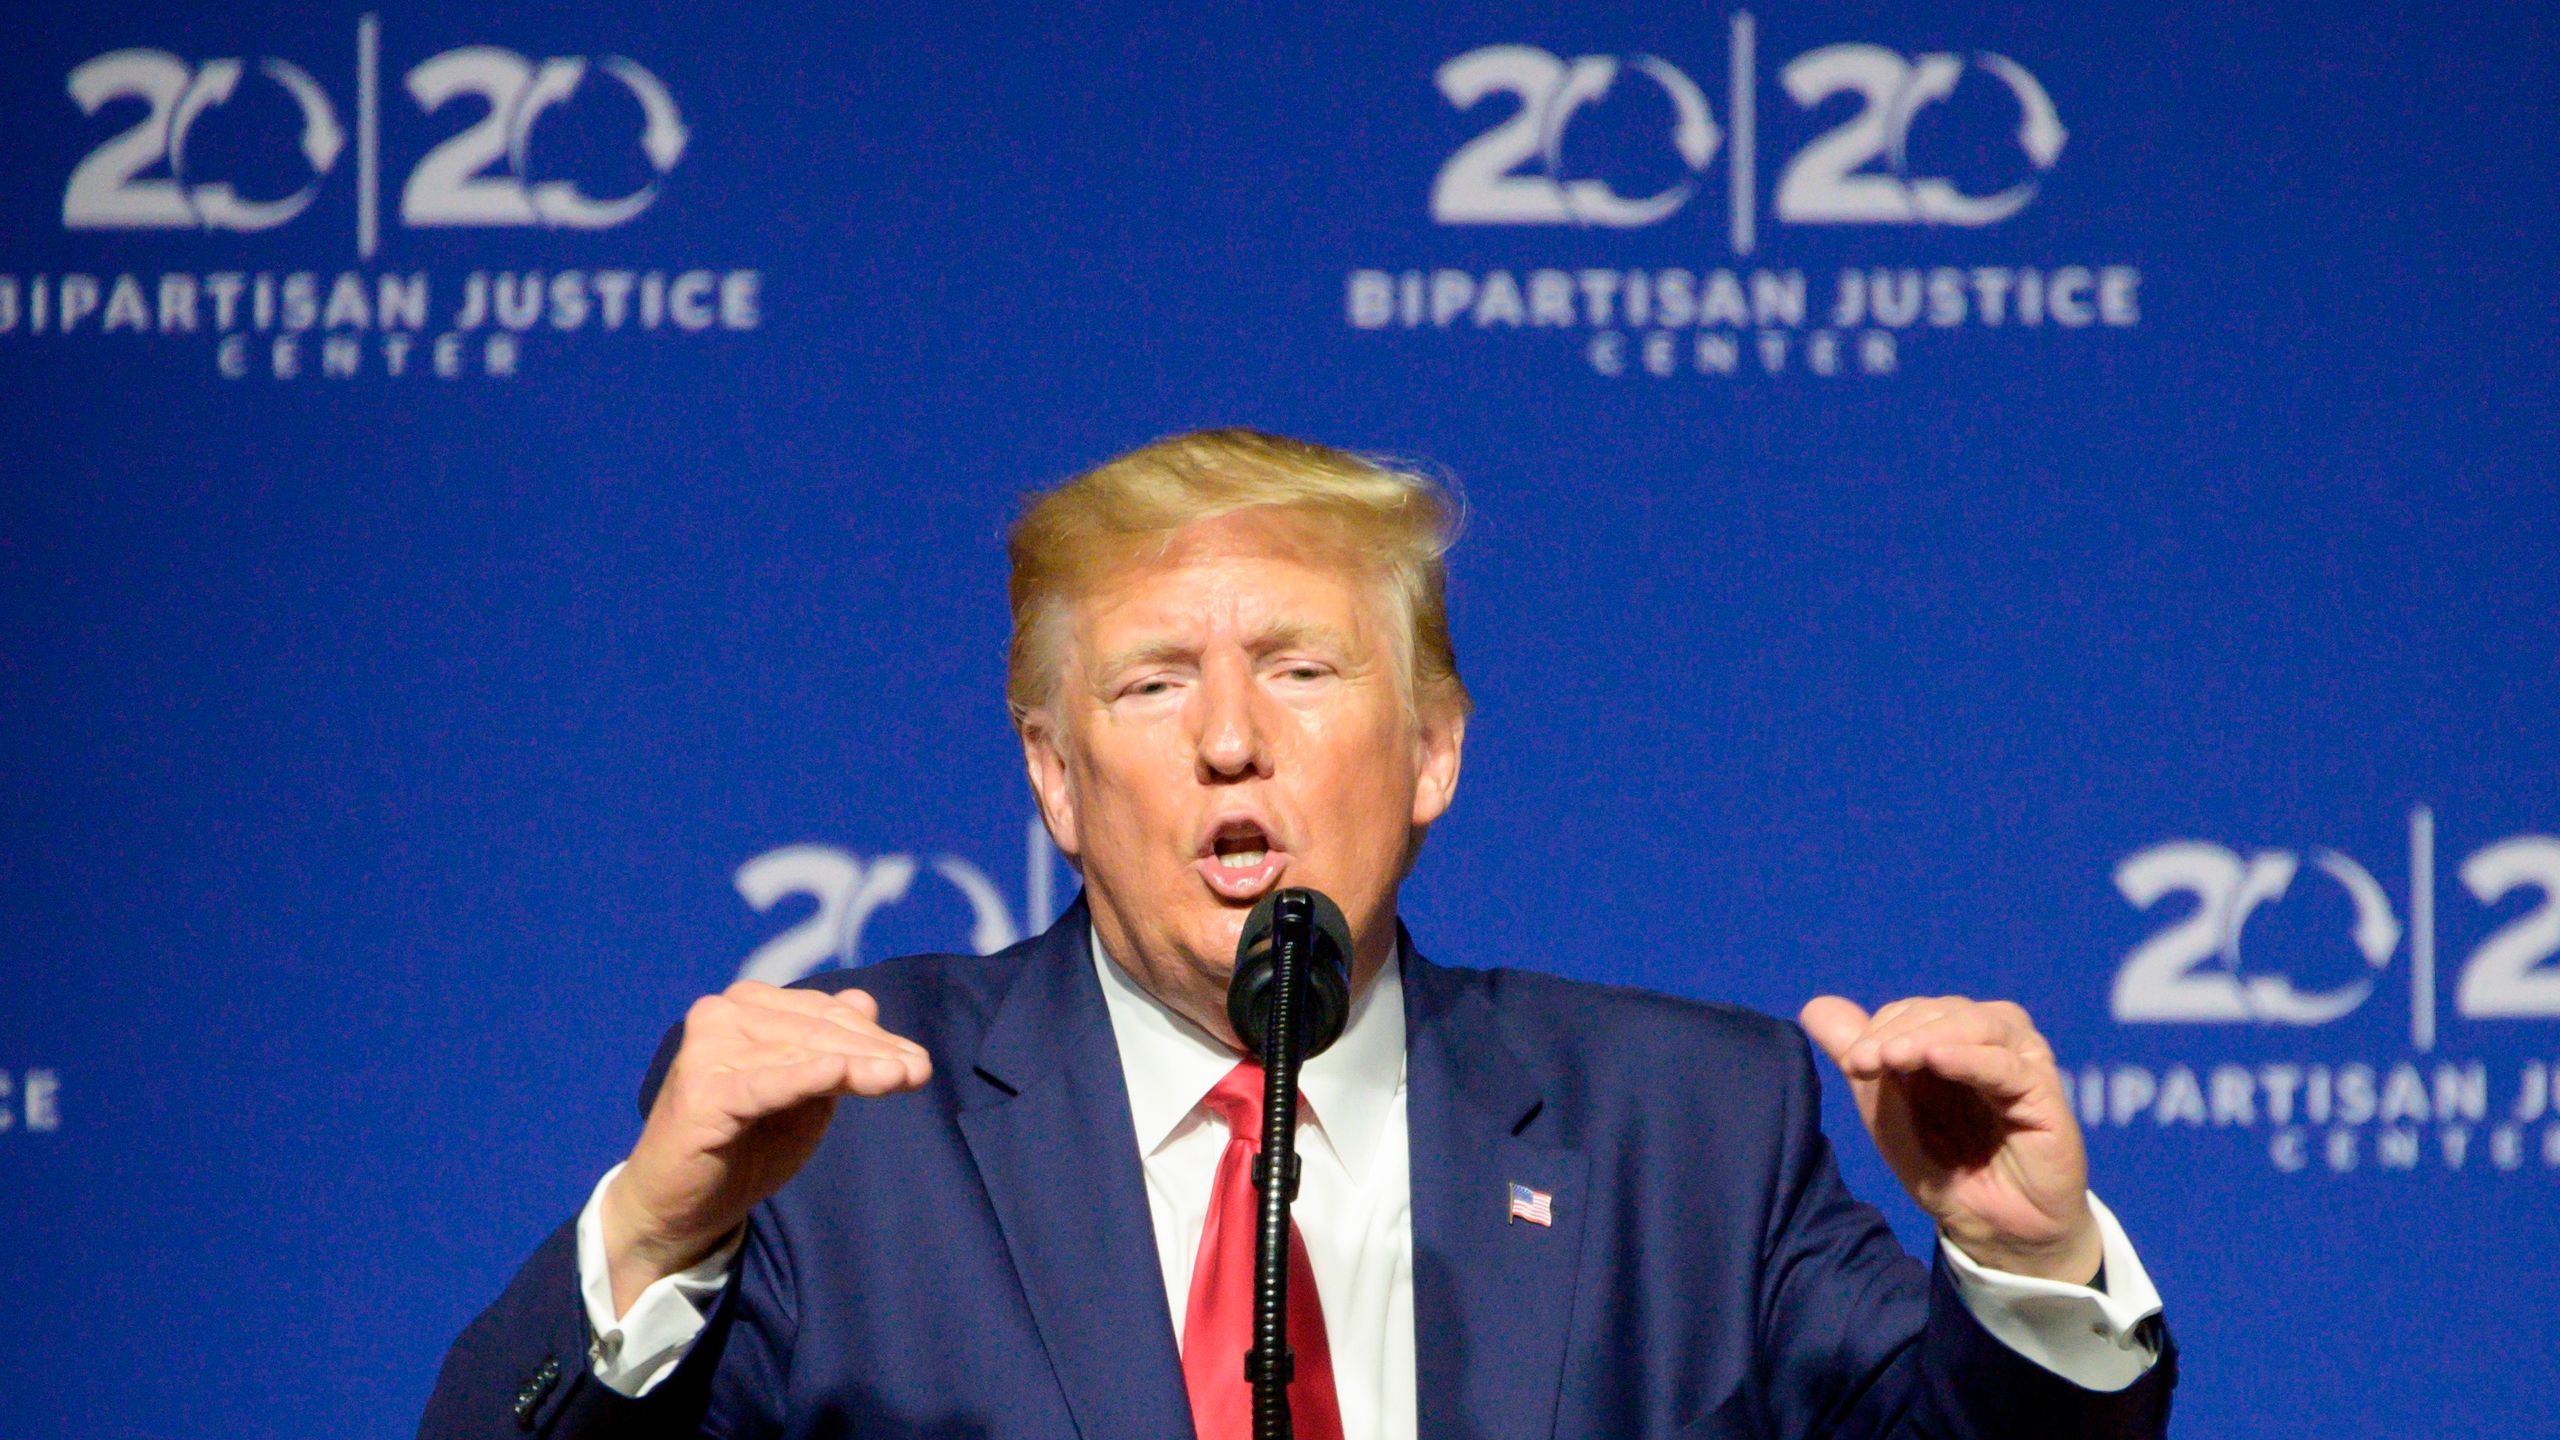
(1995, 1070)
(879, 1075)
(1965, 1024)
(761, 1090)
(876, 1064)
(850, 1007)
(1866, 1053)
(791, 1016)
(1834, 1022)
(2024, 1037)
(764, 1029)
(783, 1076)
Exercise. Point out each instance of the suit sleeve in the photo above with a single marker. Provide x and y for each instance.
(1858, 1341)
(523, 1367)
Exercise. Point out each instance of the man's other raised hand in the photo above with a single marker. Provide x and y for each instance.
(743, 1104)
(1966, 1105)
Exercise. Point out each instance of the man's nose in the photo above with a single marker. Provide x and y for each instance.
(1234, 743)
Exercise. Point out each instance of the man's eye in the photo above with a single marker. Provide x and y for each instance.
(1149, 687)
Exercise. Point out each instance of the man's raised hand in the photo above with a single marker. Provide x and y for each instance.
(740, 1111)
(1963, 1099)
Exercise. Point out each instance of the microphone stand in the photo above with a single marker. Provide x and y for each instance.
(1270, 1365)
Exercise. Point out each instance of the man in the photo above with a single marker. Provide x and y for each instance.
(1530, 1207)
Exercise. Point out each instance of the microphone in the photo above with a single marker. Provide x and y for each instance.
(1288, 999)
(1309, 920)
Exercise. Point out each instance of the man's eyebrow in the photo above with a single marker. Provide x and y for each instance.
(1279, 635)
(1300, 635)
(1152, 652)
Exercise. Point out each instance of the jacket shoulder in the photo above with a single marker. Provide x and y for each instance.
(1607, 1038)
(1623, 1012)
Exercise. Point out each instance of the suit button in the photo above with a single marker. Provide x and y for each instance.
(535, 1387)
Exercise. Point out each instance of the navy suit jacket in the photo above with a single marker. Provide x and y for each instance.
(975, 1259)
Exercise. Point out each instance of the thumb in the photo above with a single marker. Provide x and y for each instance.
(1834, 1023)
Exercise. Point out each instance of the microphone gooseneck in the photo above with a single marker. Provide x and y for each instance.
(1288, 999)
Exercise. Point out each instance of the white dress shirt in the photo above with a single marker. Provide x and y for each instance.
(1355, 1213)
(1355, 1196)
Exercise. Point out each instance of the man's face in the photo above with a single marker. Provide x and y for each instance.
(1231, 721)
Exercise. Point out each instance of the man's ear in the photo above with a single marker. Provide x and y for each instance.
(1045, 763)
(1442, 742)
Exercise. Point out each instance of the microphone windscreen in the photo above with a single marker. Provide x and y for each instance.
(1325, 1004)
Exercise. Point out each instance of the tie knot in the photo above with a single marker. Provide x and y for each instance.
(1237, 1099)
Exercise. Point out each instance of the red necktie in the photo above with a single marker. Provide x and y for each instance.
(1218, 1328)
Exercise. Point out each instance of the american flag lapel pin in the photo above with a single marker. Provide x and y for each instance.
(1535, 1206)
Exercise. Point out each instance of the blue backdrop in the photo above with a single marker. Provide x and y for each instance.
(502, 532)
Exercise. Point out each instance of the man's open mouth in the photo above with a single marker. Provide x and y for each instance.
(1240, 861)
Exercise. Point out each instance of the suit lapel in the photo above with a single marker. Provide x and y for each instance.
(1492, 1297)
(1046, 1116)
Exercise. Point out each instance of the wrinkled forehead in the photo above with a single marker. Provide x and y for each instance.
(1254, 575)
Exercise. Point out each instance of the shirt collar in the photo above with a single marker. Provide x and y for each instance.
(1170, 1064)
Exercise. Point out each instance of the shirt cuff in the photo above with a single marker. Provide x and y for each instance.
(2093, 1338)
(632, 1353)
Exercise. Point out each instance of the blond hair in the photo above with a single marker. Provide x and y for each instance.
(1393, 523)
